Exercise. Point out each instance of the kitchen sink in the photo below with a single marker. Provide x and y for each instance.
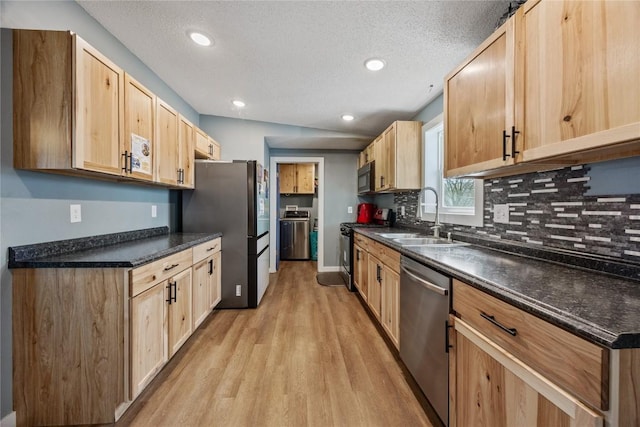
(398, 235)
(428, 241)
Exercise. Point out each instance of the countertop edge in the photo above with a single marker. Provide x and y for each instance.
(583, 329)
(43, 263)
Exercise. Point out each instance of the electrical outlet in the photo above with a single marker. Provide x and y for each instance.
(501, 214)
(75, 212)
(238, 290)
(154, 211)
(349, 209)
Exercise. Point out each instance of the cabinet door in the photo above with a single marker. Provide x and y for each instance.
(360, 266)
(180, 323)
(305, 178)
(148, 336)
(215, 149)
(479, 106)
(139, 120)
(215, 279)
(201, 286)
(390, 157)
(374, 285)
(99, 97)
(579, 82)
(494, 388)
(380, 166)
(203, 146)
(167, 144)
(390, 306)
(186, 157)
(287, 178)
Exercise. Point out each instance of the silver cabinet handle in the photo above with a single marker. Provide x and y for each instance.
(430, 286)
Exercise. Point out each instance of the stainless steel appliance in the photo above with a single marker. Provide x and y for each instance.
(346, 243)
(232, 197)
(424, 309)
(294, 235)
(366, 178)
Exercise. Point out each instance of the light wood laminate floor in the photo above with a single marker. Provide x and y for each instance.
(309, 355)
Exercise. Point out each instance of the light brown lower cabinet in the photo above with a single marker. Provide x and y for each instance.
(494, 388)
(360, 271)
(87, 341)
(377, 277)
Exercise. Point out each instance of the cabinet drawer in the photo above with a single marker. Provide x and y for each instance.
(566, 359)
(203, 250)
(361, 241)
(389, 257)
(143, 278)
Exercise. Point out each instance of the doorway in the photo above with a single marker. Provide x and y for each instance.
(274, 199)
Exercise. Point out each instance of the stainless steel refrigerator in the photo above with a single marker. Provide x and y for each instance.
(233, 198)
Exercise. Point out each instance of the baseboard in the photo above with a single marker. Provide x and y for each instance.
(9, 420)
(324, 268)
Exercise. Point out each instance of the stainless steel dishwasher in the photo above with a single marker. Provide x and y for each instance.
(424, 310)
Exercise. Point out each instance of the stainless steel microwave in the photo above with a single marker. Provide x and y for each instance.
(366, 179)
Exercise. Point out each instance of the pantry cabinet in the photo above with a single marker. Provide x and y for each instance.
(555, 85)
(297, 178)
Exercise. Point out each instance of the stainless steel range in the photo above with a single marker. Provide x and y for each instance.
(383, 218)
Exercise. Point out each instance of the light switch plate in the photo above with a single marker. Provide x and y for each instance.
(154, 211)
(349, 209)
(238, 290)
(75, 213)
(501, 214)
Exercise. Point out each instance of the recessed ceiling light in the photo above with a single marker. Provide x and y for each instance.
(374, 64)
(347, 117)
(238, 103)
(200, 38)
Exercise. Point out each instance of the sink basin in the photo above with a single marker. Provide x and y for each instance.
(398, 235)
(428, 241)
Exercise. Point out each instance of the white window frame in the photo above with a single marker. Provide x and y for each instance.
(427, 212)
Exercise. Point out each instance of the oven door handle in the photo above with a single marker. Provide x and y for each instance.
(428, 285)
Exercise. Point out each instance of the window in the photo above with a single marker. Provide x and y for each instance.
(460, 199)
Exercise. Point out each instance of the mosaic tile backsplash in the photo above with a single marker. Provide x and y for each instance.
(551, 209)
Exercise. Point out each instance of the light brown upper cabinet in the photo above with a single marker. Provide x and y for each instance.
(139, 130)
(366, 155)
(297, 178)
(68, 105)
(186, 147)
(206, 147)
(555, 85)
(479, 106)
(167, 170)
(397, 154)
(580, 66)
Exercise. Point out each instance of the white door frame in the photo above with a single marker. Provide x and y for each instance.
(273, 182)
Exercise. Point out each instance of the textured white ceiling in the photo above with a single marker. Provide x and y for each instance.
(301, 62)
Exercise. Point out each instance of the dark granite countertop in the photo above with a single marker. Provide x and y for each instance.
(598, 307)
(128, 249)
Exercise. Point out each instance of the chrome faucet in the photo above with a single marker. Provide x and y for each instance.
(437, 226)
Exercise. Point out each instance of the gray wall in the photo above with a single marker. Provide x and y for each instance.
(340, 191)
(431, 110)
(34, 207)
